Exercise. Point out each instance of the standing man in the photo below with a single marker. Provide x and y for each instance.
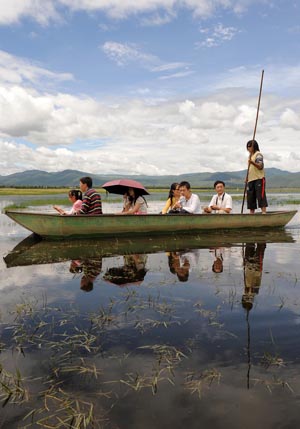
(91, 202)
(256, 181)
(188, 202)
(221, 203)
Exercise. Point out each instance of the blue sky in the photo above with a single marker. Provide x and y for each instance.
(149, 86)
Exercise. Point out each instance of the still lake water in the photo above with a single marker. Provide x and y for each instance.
(165, 333)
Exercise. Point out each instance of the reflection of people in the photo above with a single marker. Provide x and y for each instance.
(221, 203)
(135, 203)
(256, 182)
(217, 266)
(75, 196)
(91, 203)
(179, 266)
(174, 195)
(188, 202)
(133, 271)
(253, 265)
(90, 268)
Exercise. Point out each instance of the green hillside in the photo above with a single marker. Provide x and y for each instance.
(70, 178)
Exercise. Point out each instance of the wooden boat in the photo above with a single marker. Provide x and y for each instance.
(35, 251)
(54, 226)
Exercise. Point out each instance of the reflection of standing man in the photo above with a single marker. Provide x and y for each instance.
(253, 265)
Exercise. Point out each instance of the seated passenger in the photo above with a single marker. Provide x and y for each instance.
(188, 202)
(91, 203)
(173, 197)
(75, 196)
(127, 202)
(135, 204)
(221, 203)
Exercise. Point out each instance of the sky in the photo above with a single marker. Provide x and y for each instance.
(149, 87)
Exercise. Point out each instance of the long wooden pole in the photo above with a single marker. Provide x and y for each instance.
(254, 133)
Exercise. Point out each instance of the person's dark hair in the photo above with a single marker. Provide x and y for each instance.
(86, 284)
(75, 193)
(254, 144)
(137, 193)
(171, 191)
(219, 181)
(182, 274)
(217, 268)
(186, 184)
(247, 302)
(87, 181)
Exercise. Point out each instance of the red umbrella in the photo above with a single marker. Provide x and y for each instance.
(124, 276)
(120, 186)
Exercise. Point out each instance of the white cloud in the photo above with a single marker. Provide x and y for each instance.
(123, 54)
(277, 77)
(217, 35)
(159, 11)
(137, 137)
(177, 75)
(16, 70)
(13, 11)
(290, 118)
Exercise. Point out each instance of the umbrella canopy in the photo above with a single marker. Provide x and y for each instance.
(120, 186)
(124, 276)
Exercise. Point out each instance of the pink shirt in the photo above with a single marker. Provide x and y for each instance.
(76, 207)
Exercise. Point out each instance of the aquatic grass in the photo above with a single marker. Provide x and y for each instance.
(81, 349)
(61, 410)
(196, 383)
(269, 360)
(12, 387)
(275, 382)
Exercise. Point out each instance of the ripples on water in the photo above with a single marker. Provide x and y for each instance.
(165, 333)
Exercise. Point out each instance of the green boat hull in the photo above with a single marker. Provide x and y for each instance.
(54, 226)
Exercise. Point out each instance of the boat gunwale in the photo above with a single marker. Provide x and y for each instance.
(39, 213)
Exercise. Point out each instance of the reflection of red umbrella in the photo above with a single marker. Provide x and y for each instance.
(124, 276)
(120, 186)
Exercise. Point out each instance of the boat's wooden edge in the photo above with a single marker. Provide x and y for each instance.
(39, 213)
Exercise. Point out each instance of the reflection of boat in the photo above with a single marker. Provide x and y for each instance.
(33, 250)
(55, 226)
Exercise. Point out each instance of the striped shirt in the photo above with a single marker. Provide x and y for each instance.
(91, 203)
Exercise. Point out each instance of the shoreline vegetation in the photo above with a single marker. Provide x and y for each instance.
(61, 190)
(60, 195)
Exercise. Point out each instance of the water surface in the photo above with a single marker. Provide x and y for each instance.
(163, 332)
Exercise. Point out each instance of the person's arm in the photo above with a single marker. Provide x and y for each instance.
(167, 206)
(135, 209)
(84, 206)
(228, 204)
(210, 208)
(59, 210)
(258, 163)
(193, 204)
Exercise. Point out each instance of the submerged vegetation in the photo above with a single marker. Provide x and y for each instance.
(65, 368)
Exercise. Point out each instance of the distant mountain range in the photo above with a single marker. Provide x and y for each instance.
(70, 178)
